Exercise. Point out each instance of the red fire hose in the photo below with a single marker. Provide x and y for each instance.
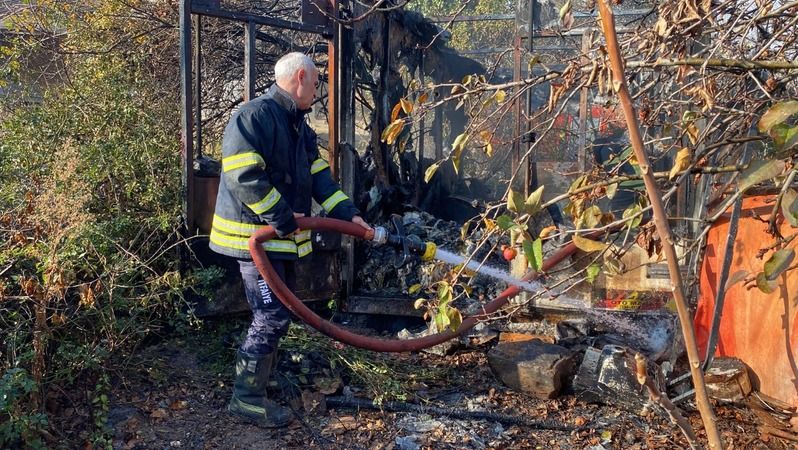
(370, 343)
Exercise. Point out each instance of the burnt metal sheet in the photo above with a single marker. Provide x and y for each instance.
(216, 4)
(390, 306)
(260, 20)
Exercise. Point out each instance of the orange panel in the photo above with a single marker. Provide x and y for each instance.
(760, 329)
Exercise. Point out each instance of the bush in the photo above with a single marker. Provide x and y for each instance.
(89, 212)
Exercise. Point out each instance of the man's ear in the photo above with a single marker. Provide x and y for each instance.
(301, 74)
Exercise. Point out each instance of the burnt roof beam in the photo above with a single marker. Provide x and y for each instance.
(259, 20)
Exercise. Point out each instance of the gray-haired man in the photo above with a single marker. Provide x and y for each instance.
(271, 171)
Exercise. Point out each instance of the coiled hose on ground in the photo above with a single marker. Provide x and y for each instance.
(367, 342)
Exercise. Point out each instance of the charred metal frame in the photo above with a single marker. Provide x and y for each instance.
(316, 19)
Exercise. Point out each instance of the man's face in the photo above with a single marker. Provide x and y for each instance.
(306, 91)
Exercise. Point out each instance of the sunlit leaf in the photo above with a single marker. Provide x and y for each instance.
(693, 133)
(612, 190)
(590, 217)
(488, 149)
(633, 211)
(546, 231)
(515, 201)
(458, 89)
(504, 222)
(533, 250)
(778, 263)
(765, 285)
(588, 245)
(735, 278)
(455, 318)
(407, 105)
(565, 9)
(395, 111)
(688, 117)
(789, 206)
(759, 171)
(419, 303)
(777, 114)
(578, 183)
(444, 292)
(532, 203)
(457, 150)
(592, 272)
(392, 131)
(422, 98)
(500, 95)
(681, 162)
(441, 320)
(431, 171)
(413, 289)
(490, 225)
(464, 230)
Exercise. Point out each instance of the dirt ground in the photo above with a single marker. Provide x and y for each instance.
(175, 396)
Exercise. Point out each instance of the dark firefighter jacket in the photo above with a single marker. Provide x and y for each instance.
(270, 169)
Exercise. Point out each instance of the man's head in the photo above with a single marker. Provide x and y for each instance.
(296, 74)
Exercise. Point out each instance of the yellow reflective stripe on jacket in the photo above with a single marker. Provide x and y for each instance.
(267, 203)
(302, 236)
(333, 201)
(242, 160)
(318, 166)
(305, 249)
(237, 228)
(242, 243)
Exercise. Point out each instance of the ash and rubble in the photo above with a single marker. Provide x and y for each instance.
(383, 274)
(542, 369)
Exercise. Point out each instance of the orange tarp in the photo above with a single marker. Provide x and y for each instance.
(760, 329)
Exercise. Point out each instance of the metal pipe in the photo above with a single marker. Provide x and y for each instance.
(371, 343)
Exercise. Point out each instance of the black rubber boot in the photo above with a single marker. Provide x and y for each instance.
(250, 401)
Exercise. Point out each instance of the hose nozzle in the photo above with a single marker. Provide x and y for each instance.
(408, 244)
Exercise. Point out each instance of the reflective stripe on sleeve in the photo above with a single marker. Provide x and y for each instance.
(236, 228)
(242, 160)
(333, 201)
(318, 166)
(302, 236)
(241, 243)
(267, 203)
(305, 249)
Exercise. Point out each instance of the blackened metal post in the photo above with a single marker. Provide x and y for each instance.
(250, 72)
(420, 138)
(531, 175)
(346, 124)
(198, 82)
(437, 131)
(187, 135)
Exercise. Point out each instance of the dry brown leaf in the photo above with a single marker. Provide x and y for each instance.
(159, 413)
(178, 405)
(395, 111)
(681, 162)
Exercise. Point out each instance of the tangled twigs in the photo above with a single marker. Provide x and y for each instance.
(661, 221)
(663, 401)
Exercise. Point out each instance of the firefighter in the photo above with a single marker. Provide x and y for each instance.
(271, 171)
